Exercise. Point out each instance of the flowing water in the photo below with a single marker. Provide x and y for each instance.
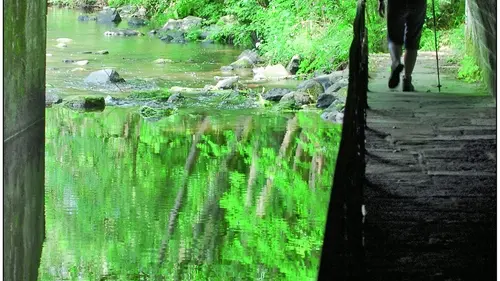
(229, 196)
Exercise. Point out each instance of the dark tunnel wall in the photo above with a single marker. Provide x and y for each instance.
(482, 29)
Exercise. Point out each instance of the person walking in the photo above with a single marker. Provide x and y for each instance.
(405, 21)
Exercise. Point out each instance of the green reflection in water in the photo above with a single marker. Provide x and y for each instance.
(224, 197)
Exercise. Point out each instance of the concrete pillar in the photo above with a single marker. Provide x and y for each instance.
(24, 131)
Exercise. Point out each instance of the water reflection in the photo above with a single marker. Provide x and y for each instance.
(189, 197)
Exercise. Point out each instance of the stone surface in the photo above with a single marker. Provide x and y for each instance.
(104, 76)
(242, 62)
(431, 184)
(24, 28)
(270, 72)
(312, 87)
(108, 16)
(275, 94)
(51, 98)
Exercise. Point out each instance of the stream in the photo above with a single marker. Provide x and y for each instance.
(198, 195)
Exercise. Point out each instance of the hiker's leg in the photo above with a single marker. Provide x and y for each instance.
(396, 19)
(413, 33)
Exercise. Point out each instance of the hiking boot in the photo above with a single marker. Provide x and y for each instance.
(407, 85)
(394, 79)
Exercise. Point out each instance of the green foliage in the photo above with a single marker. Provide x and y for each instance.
(154, 94)
(469, 70)
(113, 179)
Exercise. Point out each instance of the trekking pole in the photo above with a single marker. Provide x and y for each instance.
(436, 44)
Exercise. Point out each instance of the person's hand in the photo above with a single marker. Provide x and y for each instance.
(381, 8)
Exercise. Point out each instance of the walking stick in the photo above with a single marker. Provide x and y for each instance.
(436, 44)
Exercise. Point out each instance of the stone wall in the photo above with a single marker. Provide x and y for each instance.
(482, 29)
(24, 127)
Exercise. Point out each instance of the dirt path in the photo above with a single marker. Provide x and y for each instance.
(431, 172)
(424, 74)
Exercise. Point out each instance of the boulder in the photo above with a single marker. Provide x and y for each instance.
(228, 19)
(62, 45)
(86, 18)
(135, 21)
(102, 52)
(87, 104)
(176, 98)
(172, 24)
(243, 62)
(227, 68)
(81, 62)
(162, 61)
(270, 72)
(227, 83)
(127, 10)
(190, 22)
(184, 24)
(293, 65)
(341, 83)
(51, 98)
(275, 94)
(108, 16)
(311, 87)
(325, 100)
(300, 98)
(64, 40)
(173, 36)
(252, 55)
(207, 32)
(123, 32)
(334, 117)
(141, 12)
(104, 76)
(328, 80)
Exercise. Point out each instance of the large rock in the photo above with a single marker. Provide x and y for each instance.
(227, 20)
(293, 65)
(328, 80)
(124, 32)
(51, 98)
(184, 24)
(270, 72)
(127, 10)
(109, 16)
(334, 117)
(227, 83)
(226, 68)
(175, 98)
(341, 83)
(135, 21)
(325, 100)
(312, 87)
(104, 76)
(243, 62)
(173, 36)
(300, 98)
(190, 22)
(87, 104)
(86, 18)
(252, 55)
(163, 61)
(172, 24)
(275, 94)
(208, 31)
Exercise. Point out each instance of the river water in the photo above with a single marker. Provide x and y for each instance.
(233, 195)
